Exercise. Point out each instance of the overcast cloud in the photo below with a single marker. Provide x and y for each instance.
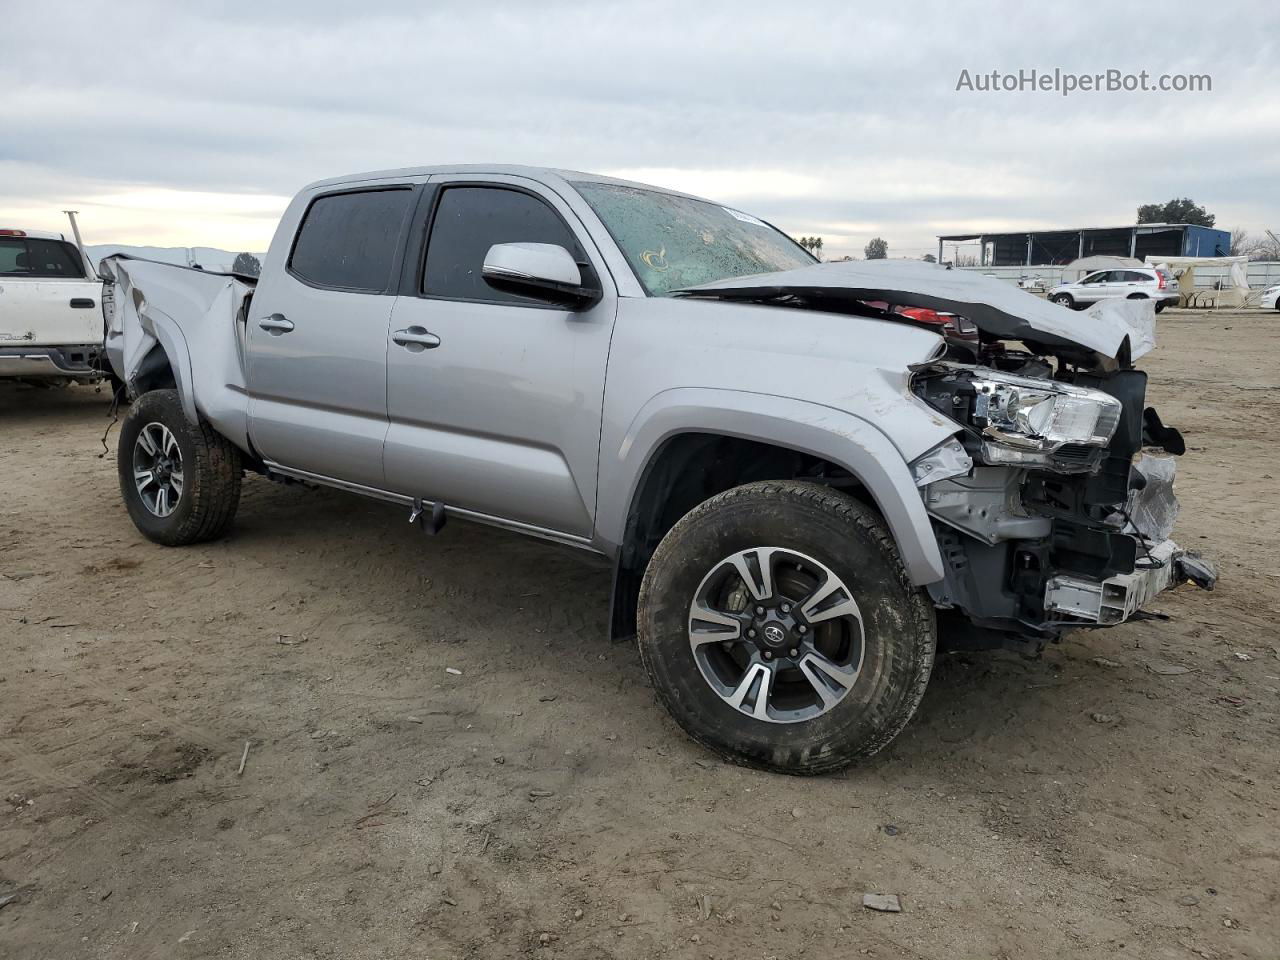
(167, 125)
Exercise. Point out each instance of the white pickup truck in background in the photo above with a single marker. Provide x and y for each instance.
(51, 311)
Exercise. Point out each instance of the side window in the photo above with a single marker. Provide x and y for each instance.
(1136, 276)
(51, 259)
(13, 258)
(348, 241)
(468, 221)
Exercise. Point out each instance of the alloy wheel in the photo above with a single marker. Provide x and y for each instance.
(157, 469)
(776, 634)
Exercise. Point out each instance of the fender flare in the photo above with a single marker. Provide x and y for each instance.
(174, 344)
(835, 435)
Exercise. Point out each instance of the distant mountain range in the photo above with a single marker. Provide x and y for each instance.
(211, 258)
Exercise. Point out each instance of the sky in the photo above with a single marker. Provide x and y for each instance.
(166, 124)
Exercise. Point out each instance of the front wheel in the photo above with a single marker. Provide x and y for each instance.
(779, 627)
(1065, 300)
(180, 481)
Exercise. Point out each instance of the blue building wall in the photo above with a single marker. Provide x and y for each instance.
(1205, 242)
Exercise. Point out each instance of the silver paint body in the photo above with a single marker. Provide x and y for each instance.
(534, 418)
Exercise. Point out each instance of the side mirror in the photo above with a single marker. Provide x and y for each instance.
(546, 271)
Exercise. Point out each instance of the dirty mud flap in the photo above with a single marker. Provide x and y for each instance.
(1070, 599)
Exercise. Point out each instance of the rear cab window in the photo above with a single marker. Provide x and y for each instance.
(468, 220)
(349, 241)
(39, 259)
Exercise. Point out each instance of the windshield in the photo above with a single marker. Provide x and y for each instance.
(673, 242)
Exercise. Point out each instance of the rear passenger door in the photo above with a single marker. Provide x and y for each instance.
(1135, 281)
(317, 332)
(500, 414)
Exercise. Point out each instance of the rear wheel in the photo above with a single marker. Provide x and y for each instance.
(1065, 300)
(180, 481)
(778, 625)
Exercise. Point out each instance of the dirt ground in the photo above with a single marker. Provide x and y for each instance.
(448, 758)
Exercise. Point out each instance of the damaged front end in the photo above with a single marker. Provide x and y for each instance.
(1054, 503)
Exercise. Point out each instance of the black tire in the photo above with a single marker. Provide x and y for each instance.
(1136, 296)
(1161, 304)
(897, 642)
(210, 468)
(1065, 300)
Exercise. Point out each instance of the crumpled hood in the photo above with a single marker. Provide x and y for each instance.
(996, 307)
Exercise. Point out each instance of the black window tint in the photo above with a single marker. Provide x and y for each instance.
(349, 240)
(40, 258)
(468, 221)
(1135, 276)
(54, 258)
(13, 257)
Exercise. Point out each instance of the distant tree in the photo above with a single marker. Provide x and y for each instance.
(876, 249)
(1184, 210)
(1242, 244)
(966, 260)
(1268, 249)
(247, 265)
(812, 244)
(929, 258)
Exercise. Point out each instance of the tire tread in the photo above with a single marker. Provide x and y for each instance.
(214, 478)
(919, 614)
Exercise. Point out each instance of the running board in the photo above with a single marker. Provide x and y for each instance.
(422, 506)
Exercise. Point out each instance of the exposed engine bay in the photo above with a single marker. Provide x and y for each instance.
(1053, 504)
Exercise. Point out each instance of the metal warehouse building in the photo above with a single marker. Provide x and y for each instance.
(1145, 240)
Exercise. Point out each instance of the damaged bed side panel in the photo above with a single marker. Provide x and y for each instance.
(185, 313)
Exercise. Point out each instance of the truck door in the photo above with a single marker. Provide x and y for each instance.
(495, 399)
(47, 297)
(317, 332)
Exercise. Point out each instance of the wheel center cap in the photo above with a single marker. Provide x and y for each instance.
(774, 635)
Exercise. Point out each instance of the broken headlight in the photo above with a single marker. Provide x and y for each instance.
(1025, 420)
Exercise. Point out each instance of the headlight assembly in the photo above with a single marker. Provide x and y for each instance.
(1025, 421)
(1041, 415)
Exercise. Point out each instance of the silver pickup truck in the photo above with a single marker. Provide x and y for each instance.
(799, 470)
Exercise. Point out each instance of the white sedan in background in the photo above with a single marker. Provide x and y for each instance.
(1271, 298)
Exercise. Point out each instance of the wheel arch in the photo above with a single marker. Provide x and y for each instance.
(689, 450)
(166, 364)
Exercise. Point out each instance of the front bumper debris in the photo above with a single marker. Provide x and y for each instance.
(1076, 600)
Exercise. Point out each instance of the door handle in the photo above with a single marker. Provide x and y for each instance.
(81, 303)
(416, 337)
(276, 324)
